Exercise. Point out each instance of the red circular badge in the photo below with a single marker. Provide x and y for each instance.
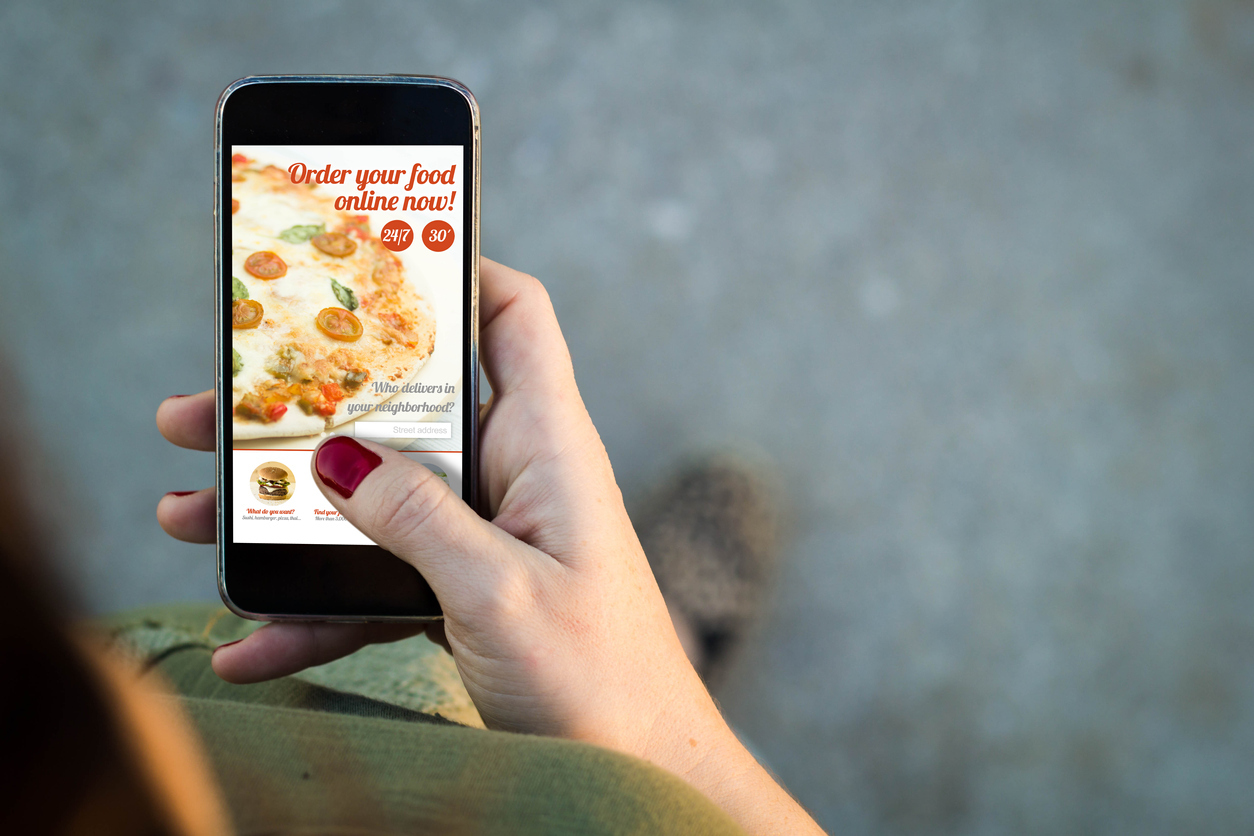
(438, 236)
(396, 235)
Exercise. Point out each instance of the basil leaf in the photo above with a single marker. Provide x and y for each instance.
(238, 290)
(346, 296)
(237, 362)
(301, 234)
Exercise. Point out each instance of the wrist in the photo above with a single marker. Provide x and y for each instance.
(700, 747)
(689, 735)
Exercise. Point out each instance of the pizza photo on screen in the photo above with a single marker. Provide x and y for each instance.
(320, 310)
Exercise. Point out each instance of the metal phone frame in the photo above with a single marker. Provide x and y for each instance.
(470, 392)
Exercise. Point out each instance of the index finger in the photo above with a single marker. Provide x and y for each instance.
(522, 344)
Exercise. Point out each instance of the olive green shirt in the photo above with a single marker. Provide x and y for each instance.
(388, 742)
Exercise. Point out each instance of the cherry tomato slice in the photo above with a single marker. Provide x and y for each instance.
(234, 206)
(246, 313)
(334, 243)
(339, 324)
(265, 265)
(275, 411)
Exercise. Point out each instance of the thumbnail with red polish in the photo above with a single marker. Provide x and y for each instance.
(342, 463)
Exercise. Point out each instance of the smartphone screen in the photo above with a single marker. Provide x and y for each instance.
(347, 258)
(347, 319)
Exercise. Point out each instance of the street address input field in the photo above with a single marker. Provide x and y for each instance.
(402, 429)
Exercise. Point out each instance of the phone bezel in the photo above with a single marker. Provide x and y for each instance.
(295, 582)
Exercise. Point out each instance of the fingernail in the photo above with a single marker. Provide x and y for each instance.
(179, 493)
(228, 644)
(342, 463)
(180, 396)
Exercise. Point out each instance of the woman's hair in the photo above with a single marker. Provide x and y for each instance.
(66, 766)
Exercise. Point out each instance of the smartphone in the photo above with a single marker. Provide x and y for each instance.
(347, 257)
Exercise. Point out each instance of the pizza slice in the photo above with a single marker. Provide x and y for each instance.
(321, 311)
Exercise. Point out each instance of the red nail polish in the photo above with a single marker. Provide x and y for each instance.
(342, 463)
(228, 644)
(180, 396)
(180, 493)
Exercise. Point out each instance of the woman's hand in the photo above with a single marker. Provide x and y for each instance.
(551, 611)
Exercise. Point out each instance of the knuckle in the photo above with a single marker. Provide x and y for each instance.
(406, 504)
(506, 596)
(535, 291)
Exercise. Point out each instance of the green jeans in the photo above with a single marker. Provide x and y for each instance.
(388, 742)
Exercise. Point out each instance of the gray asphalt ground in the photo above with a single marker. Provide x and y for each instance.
(976, 275)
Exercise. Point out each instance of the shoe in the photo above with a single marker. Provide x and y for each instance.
(711, 536)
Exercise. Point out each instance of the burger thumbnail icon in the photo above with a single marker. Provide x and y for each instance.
(273, 482)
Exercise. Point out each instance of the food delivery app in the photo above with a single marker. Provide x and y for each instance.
(347, 317)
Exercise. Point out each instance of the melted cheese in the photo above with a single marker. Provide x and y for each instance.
(268, 205)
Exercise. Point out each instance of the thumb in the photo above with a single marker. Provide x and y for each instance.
(409, 511)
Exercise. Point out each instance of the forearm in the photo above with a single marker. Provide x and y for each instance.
(739, 785)
(707, 754)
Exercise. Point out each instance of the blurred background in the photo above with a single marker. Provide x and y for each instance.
(977, 275)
